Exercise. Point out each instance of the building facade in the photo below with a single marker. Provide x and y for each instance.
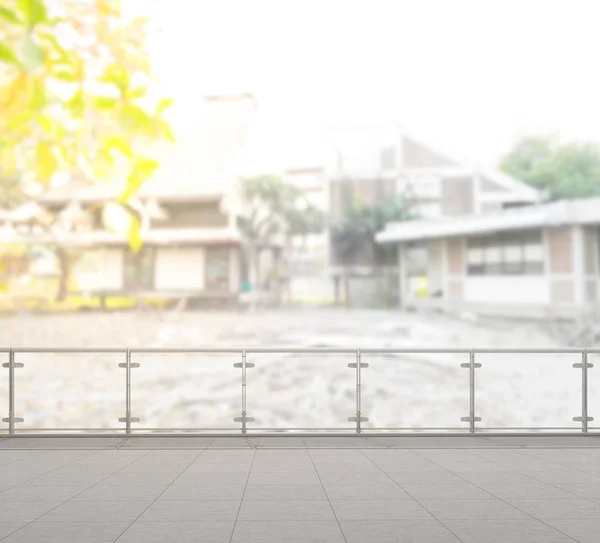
(371, 165)
(541, 261)
(188, 213)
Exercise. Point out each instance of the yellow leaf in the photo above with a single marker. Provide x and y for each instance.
(46, 163)
(103, 165)
(8, 159)
(134, 236)
(141, 172)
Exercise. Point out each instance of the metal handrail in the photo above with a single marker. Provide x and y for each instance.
(244, 365)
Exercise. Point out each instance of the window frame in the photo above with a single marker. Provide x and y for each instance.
(502, 242)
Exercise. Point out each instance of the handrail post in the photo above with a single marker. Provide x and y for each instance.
(472, 391)
(244, 391)
(128, 392)
(358, 392)
(584, 392)
(11, 392)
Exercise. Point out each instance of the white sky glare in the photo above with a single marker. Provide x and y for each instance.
(470, 76)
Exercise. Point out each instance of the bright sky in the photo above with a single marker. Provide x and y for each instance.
(470, 76)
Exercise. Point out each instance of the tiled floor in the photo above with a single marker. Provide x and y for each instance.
(354, 490)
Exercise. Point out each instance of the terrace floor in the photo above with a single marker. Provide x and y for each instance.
(292, 489)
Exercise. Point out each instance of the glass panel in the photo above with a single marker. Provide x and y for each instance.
(415, 390)
(526, 390)
(307, 390)
(3, 392)
(69, 390)
(186, 391)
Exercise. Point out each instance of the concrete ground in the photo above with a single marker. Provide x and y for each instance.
(293, 489)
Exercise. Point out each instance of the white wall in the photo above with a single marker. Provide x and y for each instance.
(507, 290)
(179, 269)
(100, 269)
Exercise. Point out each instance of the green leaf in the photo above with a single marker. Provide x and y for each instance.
(77, 102)
(106, 103)
(46, 124)
(9, 15)
(141, 172)
(53, 41)
(34, 11)
(7, 55)
(163, 105)
(138, 92)
(33, 56)
(118, 76)
(68, 77)
(115, 142)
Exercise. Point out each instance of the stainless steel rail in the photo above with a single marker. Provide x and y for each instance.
(358, 418)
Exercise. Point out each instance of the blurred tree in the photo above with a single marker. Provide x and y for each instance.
(569, 170)
(274, 209)
(74, 85)
(73, 77)
(357, 228)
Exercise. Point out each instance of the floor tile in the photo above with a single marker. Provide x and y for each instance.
(65, 532)
(69, 479)
(505, 531)
(582, 490)
(284, 492)
(378, 510)
(345, 478)
(366, 492)
(40, 493)
(25, 511)
(419, 477)
(472, 509)
(102, 511)
(191, 511)
(556, 509)
(179, 532)
(287, 532)
(184, 491)
(396, 531)
(286, 510)
(525, 491)
(121, 492)
(291, 478)
(582, 530)
(463, 491)
(7, 528)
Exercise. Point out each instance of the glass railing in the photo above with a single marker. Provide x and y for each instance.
(260, 391)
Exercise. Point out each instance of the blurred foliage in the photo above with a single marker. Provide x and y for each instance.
(360, 224)
(276, 208)
(273, 212)
(569, 170)
(73, 78)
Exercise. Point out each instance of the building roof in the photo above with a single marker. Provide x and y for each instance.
(565, 212)
(200, 165)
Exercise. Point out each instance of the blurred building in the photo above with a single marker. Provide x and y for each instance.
(372, 164)
(538, 261)
(188, 209)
